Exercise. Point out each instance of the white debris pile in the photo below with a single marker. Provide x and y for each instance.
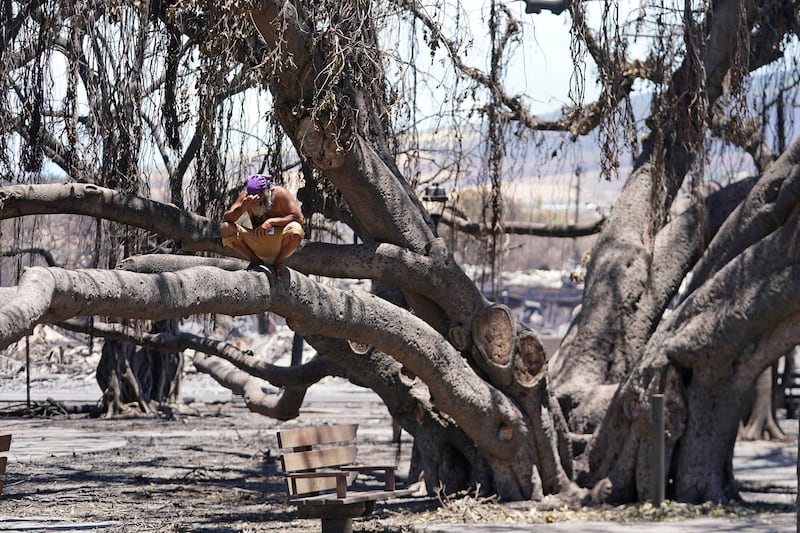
(550, 279)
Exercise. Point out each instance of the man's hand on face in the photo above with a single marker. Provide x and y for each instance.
(250, 201)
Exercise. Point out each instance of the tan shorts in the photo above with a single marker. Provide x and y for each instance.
(265, 247)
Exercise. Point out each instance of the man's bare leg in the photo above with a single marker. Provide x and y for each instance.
(229, 230)
(288, 245)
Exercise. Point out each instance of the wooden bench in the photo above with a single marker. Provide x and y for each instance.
(318, 463)
(5, 445)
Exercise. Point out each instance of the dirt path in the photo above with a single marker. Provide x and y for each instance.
(212, 470)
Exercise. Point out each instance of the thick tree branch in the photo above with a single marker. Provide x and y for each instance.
(708, 327)
(158, 263)
(190, 232)
(386, 263)
(285, 405)
(363, 318)
(431, 276)
(769, 203)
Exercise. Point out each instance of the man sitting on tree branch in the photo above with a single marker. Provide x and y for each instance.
(263, 224)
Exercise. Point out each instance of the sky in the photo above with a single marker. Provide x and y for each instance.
(540, 72)
(543, 66)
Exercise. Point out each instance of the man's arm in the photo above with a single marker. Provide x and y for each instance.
(239, 207)
(284, 209)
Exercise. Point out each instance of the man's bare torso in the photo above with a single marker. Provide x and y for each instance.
(264, 210)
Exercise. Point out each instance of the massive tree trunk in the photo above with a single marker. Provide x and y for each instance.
(140, 380)
(759, 421)
(642, 255)
(628, 345)
(706, 354)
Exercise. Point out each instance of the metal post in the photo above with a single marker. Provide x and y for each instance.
(28, 370)
(657, 471)
(297, 350)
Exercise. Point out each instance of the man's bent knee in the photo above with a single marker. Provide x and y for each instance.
(226, 229)
(293, 241)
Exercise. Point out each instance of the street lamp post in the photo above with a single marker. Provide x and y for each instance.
(434, 199)
(556, 7)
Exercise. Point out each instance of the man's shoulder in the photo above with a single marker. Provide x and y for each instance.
(277, 190)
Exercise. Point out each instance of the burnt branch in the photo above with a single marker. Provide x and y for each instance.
(285, 405)
(191, 232)
(525, 228)
(46, 255)
(767, 206)
(303, 375)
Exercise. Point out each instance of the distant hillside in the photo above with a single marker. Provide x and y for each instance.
(554, 170)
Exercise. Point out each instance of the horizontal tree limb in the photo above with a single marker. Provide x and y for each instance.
(525, 228)
(54, 294)
(189, 231)
(280, 376)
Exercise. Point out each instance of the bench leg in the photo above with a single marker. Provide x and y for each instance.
(337, 525)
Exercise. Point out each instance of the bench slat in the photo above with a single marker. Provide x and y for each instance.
(292, 438)
(5, 443)
(388, 473)
(324, 458)
(300, 486)
(318, 473)
(353, 497)
(368, 468)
